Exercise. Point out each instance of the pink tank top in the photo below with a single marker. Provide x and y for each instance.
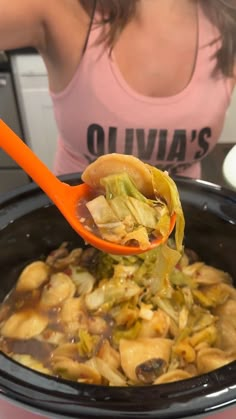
(99, 113)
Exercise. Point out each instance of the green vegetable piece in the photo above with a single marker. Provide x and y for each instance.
(166, 188)
(87, 343)
(130, 333)
(121, 185)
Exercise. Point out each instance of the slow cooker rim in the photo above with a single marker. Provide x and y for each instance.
(76, 178)
(186, 397)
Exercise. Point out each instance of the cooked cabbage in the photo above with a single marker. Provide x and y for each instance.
(122, 320)
(124, 214)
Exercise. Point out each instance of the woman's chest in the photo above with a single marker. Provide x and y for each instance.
(157, 64)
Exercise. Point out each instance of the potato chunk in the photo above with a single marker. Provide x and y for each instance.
(24, 325)
(209, 359)
(33, 276)
(135, 352)
(119, 163)
(59, 288)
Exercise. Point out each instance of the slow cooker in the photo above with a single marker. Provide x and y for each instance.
(30, 227)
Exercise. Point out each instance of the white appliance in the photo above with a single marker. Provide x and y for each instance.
(31, 83)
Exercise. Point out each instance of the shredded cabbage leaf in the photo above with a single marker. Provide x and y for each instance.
(164, 186)
(125, 216)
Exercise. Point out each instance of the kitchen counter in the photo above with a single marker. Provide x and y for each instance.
(212, 164)
(10, 411)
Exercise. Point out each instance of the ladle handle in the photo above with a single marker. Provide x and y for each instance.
(25, 158)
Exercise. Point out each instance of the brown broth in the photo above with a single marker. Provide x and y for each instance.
(84, 214)
(41, 350)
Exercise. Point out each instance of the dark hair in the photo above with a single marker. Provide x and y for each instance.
(222, 13)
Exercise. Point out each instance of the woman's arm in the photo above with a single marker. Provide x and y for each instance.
(56, 28)
(41, 23)
(22, 23)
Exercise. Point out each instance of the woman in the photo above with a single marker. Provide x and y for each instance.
(152, 78)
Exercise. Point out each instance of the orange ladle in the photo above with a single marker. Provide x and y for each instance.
(64, 196)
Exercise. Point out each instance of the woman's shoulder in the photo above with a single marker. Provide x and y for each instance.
(66, 23)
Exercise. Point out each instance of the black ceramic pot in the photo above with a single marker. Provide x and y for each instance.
(30, 227)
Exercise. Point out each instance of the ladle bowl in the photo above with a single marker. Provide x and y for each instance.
(64, 196)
